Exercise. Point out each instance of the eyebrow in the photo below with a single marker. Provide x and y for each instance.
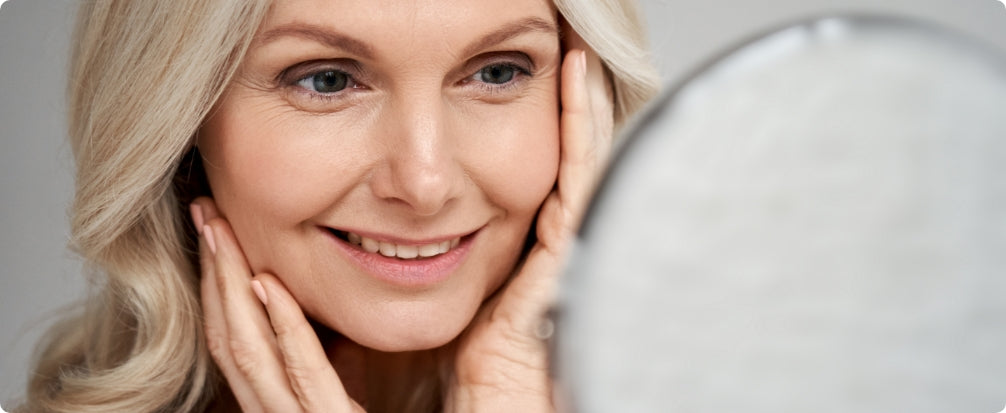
(360, 48)
(318, 34)
(511, 30)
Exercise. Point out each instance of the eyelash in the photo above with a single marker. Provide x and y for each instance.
(292, 79)
(491, 88)
(294, 82)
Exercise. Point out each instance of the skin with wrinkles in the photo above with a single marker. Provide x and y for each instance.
(454, 124)
(396, 156)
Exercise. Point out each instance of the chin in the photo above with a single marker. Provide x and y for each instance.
(402, 344)
(406, 326)
(408, 339)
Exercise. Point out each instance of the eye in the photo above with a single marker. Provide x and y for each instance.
(326, 82)
(497, 74)
(498, 77)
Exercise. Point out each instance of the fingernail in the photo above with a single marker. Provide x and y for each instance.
(208, 233)
(197, 216)
(260, 291)
(582, 62)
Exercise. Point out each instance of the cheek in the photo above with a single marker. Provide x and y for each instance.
(269, 175)
(273, 167)
(518, 154)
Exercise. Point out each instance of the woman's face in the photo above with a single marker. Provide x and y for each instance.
(385, 159)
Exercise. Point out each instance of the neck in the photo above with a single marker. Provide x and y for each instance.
(378, 381)
(381, 381)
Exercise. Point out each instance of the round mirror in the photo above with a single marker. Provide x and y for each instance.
(816, 222)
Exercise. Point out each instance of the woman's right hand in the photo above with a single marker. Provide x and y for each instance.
(268, 352)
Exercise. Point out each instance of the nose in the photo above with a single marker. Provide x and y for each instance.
(420, 169)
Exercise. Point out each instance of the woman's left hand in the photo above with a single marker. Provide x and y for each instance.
(502, 360)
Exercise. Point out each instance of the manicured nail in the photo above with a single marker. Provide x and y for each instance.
(208, 233)
(197, 216)
(582, 63)
(260, 291)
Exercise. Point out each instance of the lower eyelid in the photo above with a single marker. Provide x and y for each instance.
(311, 101)
(505, 89)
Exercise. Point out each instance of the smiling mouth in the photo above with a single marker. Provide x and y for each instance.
(393, 250)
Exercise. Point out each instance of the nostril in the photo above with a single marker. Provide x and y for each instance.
(424, 180)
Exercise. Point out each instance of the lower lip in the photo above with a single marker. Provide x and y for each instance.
(407, 273)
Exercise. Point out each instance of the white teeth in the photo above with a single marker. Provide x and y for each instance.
(388, 250)
(370, 245)
(406, 252)
(430, 250)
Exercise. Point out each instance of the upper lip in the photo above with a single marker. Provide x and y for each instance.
(404, 241)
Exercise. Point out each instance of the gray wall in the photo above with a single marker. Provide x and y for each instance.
(686, 33)
(39, 275)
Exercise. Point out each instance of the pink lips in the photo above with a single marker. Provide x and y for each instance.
(407, 273)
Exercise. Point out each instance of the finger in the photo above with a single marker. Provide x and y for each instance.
(578, 156)
(208, 209)
(214, 324)
(311, 375)
(250, 340)
(599, 86)
(584, 147)
(531, 292)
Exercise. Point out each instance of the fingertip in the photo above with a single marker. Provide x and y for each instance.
(576, 58)
(200, 201)
(259, 291)
(197, 216)
(217, 232)
(574, 75)
(285, 313)
(272, 289)
(581, 63)
(207, 208)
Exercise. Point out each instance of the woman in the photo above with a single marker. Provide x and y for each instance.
(404, 175)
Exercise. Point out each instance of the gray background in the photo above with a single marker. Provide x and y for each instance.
(39, 275)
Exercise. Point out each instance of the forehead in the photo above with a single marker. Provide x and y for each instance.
(417, 20)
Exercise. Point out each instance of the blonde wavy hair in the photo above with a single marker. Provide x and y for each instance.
(143, 77)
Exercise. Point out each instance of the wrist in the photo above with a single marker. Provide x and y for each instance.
(492, 399)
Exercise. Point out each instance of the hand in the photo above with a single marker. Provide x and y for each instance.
(268, 352)
(501, 362)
